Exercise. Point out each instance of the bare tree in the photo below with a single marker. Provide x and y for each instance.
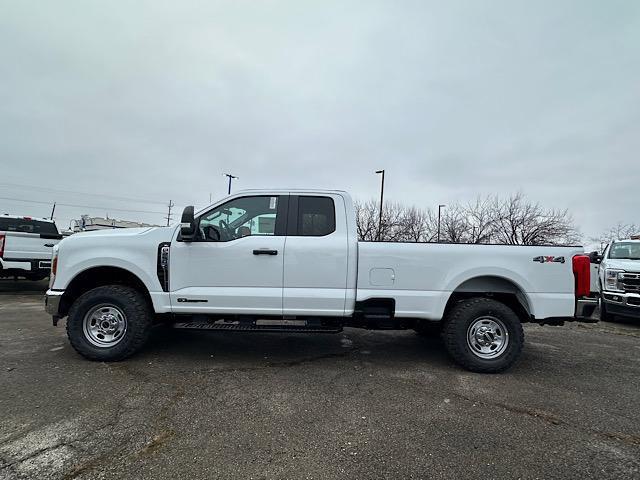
(367, 220)
(416, 225)
(520, 222)
(620, 231)
(481, 219)
(454, 225)
(514, 220)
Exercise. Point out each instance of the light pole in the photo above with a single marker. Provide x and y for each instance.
(439, 215)
(381, 200)
(230, 178)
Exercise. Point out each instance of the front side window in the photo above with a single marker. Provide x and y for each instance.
(316, 216)
(240, 217)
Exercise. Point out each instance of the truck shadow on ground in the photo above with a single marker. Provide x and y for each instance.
(244, 350)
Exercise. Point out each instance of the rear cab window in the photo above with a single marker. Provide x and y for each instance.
(28, 225)
(316, 216)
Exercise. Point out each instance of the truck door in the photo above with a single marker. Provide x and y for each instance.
(316, 253)
(235, 264)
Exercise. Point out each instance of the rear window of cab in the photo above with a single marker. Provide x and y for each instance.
(26, 225)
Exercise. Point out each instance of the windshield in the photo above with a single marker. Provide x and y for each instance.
(625, 251)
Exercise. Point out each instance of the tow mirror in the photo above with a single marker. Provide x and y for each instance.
(595, 257)
(187, 224)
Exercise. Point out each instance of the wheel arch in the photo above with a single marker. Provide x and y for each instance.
(500, 288)
(99, 276)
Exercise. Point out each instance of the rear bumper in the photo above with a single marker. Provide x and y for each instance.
(52, 304)
(585, 308)
(26, 264)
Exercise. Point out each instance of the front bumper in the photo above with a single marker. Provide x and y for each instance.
(52, 304)
(624, 304)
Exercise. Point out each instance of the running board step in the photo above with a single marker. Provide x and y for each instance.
(252, 327)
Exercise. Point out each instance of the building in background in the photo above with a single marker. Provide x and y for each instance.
(87, 224)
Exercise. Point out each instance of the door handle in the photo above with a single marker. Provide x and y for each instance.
(263, 251)
(48, 244)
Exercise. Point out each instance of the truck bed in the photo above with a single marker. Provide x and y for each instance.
(421, 276)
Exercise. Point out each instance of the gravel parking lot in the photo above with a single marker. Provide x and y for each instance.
(359, 404)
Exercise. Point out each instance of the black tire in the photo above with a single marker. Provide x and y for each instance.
(469, 312)
(137, 313)
(605, 316)
(36, 277)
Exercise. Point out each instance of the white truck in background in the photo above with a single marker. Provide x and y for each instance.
(619, 280)
(290, 261)
(26, 246)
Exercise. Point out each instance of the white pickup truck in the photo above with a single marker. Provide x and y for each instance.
(26, 245)
(287, 260)
(619, 280)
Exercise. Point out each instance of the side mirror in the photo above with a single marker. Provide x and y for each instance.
(187, 224)
(595, 257)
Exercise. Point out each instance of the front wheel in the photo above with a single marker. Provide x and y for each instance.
(483, 335)
(605, 316)
(109, 323)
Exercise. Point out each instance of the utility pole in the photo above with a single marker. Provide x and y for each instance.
(53, 210)
(231, 177)
(439, 215)
(381, 200)
(171, 205)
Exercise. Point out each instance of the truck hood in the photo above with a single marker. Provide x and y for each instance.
(626, 265)
(125, 237)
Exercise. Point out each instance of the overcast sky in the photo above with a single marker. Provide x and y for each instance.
(155, 100)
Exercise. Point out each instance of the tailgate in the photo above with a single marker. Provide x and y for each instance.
(28, 246)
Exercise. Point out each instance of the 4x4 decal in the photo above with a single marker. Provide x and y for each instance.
(548, 259)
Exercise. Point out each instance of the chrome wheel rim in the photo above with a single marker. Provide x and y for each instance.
(487, 337)
(104, 325)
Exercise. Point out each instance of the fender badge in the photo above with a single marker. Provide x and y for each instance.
(548, 259)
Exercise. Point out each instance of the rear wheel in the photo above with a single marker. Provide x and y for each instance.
(483, 335)
(109, 323)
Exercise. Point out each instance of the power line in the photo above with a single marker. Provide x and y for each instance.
(58, 190)
(82, 206)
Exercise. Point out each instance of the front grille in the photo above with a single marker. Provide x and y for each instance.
(630, 282)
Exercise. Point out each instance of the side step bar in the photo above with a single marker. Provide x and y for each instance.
(258, 326)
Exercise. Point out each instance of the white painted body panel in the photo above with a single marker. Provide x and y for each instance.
(132, 249)
(316, 270)
(228, 276)
(317, 276)
(425, 275)
(26, 246)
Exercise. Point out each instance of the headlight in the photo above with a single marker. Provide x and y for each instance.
(611, 278)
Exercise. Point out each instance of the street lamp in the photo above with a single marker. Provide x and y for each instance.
(381, 199)
(439, 215)
(230, 178)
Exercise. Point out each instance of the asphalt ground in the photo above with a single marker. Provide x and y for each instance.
(360, 404)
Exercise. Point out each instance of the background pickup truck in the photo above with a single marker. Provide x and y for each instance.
(619, 280)
(26, 245)
(291, 261)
